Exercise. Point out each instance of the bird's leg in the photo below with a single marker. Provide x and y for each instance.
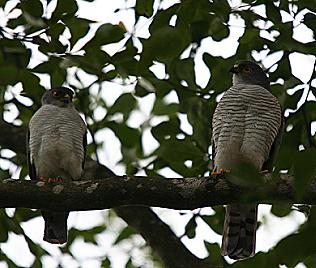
(221, 171)
(58, 179)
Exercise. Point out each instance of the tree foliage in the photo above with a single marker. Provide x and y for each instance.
(50, 41)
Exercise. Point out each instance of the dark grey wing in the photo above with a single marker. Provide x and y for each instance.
(31, 167)
(268, 164)
(84, 144)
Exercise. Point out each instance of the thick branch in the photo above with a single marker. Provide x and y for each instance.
(188, 193)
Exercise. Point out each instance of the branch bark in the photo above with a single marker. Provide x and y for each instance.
(187, 193)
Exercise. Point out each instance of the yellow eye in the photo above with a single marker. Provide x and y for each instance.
(248, 70)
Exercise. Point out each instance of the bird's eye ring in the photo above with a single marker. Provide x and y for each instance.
(248, 70)
(56, 94)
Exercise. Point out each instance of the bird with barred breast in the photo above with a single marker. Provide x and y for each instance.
(247, 128)
(56, 146)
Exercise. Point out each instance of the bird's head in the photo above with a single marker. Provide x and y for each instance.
(59, 96)
(248, 72)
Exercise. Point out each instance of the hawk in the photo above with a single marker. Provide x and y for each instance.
(247, 128)
(56, 146)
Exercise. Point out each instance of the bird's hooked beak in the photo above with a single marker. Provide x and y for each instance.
(234, 69)
(67, 98)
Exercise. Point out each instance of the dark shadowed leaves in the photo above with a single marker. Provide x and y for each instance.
(216, 221)
(190, 227)
(64, 10)
(281, 210)
(125, 104)
(107, 33)
(125, 233)
(165, 43)
(78, 27)
(32, 7)
(144, 8)
(304, 169)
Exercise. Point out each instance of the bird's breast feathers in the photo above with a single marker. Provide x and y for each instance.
(246, 121)
(56, 137)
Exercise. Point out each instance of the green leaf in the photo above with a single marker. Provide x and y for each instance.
(281, 210)
(4, 229)
(129, 137)
(162, 108)
(301, 241)
(64, 9)
(32, 7)
(30, 83)
(8, 75)
(304, 169)
(58, 77)
(199, 114)
(185, 71)
(223, 9)
(156, 47)
(47, 66)
(167, 129)
(78, 27)
(56, 30)
(217, 29)
(106, 263)
(125, 233)
(162, 18)
(291, 101)
(24, 215)
(176, 150)
(107, 33)
(216, 221)
(215, 253)
(92, 62)
(144, 8)
(218, 67)
(310, 21)
(125, 62)
(55, 46)
(308, 4)
(190, 228)
(124, 104)
(273, 12)
(14, 53)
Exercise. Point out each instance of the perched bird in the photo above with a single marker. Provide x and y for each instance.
(56, 145)
(247, 128)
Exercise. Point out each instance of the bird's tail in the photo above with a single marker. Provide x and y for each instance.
(239, 234)
(55, 226)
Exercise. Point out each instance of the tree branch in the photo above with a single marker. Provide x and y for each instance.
(187, 193)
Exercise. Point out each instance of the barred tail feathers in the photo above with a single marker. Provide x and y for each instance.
(239, 233)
